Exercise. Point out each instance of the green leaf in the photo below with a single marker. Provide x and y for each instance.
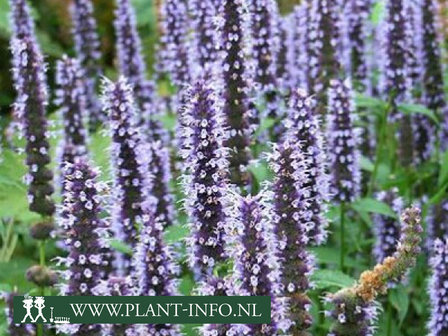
(417, 108)
(366, 164)
(399, 299)
(443, 175)
(374, 206)
(330, 256)
(377, 12)
(176, 233)
(324, 279)
(266, 123)
(364, 101)
(120, 246)
(186, 285)
(441, 194)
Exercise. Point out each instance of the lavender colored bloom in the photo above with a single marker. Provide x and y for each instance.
(206, 166)
(237, 110)
(299, 57)
(357, 14)
(175, 26)
(324, 39)
(87, 45)
(304, 128)
(116, 286)
(133, 67)
(88, 258)
(204, 39)
(286, 52)
(264, 48)
(155, 270)
(15, 329)
(387, 229)
(438, 324)
(343, 140)
(214, 286)
(437, 223)
(71, 100)
(292, 221)
(132, 183)
(30, 108)
(159, 167)
(21, 23)
(253, 245)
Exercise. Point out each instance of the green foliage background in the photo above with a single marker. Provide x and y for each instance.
(406, 306)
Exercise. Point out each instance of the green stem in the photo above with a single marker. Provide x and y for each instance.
(342, 238)
(42, 253)
(389, 319)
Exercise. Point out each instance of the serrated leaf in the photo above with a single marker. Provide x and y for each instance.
(417, 108)
(324, 279)
(373, 206)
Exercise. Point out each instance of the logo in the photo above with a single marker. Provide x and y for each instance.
(38, 303)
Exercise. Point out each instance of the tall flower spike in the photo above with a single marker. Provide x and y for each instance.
(438, 324)
(323, 61)
(214, 286)
(238, 113)
(286, 51)
(343, 140)
(159, 166)
(21, 22)
(304, 127)
(357, 12)
(154, 269)
(253, 245)
(87, 260)
(204, 40)
(387, 229)
(354, 309)
(264, 48)
(30, 108)
(132, 184)
(437, 223)
(292, 221)
(71, 100)
(116, 286)
(301, 44)
(87, 45)
(205, 180)
(133, 67)
(175, 41)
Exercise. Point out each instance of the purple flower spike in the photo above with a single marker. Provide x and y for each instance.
(437, 223)
(132, 184)
(205, 181)
(215, 286)
(21, 23)
(286, 52)
(159, 167)
(116, 286)
(30, 109)
(253, 245)
(238, 112)
(174, 52)
(324, 39)
(204, 46)
(71, 99)
(15, 329)
(343, 140)
(88, 258)
(357, 13)
(155, 270)
(133, 67)
(292, 220)
(387, 229)
(304, 127)
(438, 324)
(87, 45)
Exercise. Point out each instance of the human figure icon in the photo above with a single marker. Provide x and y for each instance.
(28, 304)
(39, 304)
